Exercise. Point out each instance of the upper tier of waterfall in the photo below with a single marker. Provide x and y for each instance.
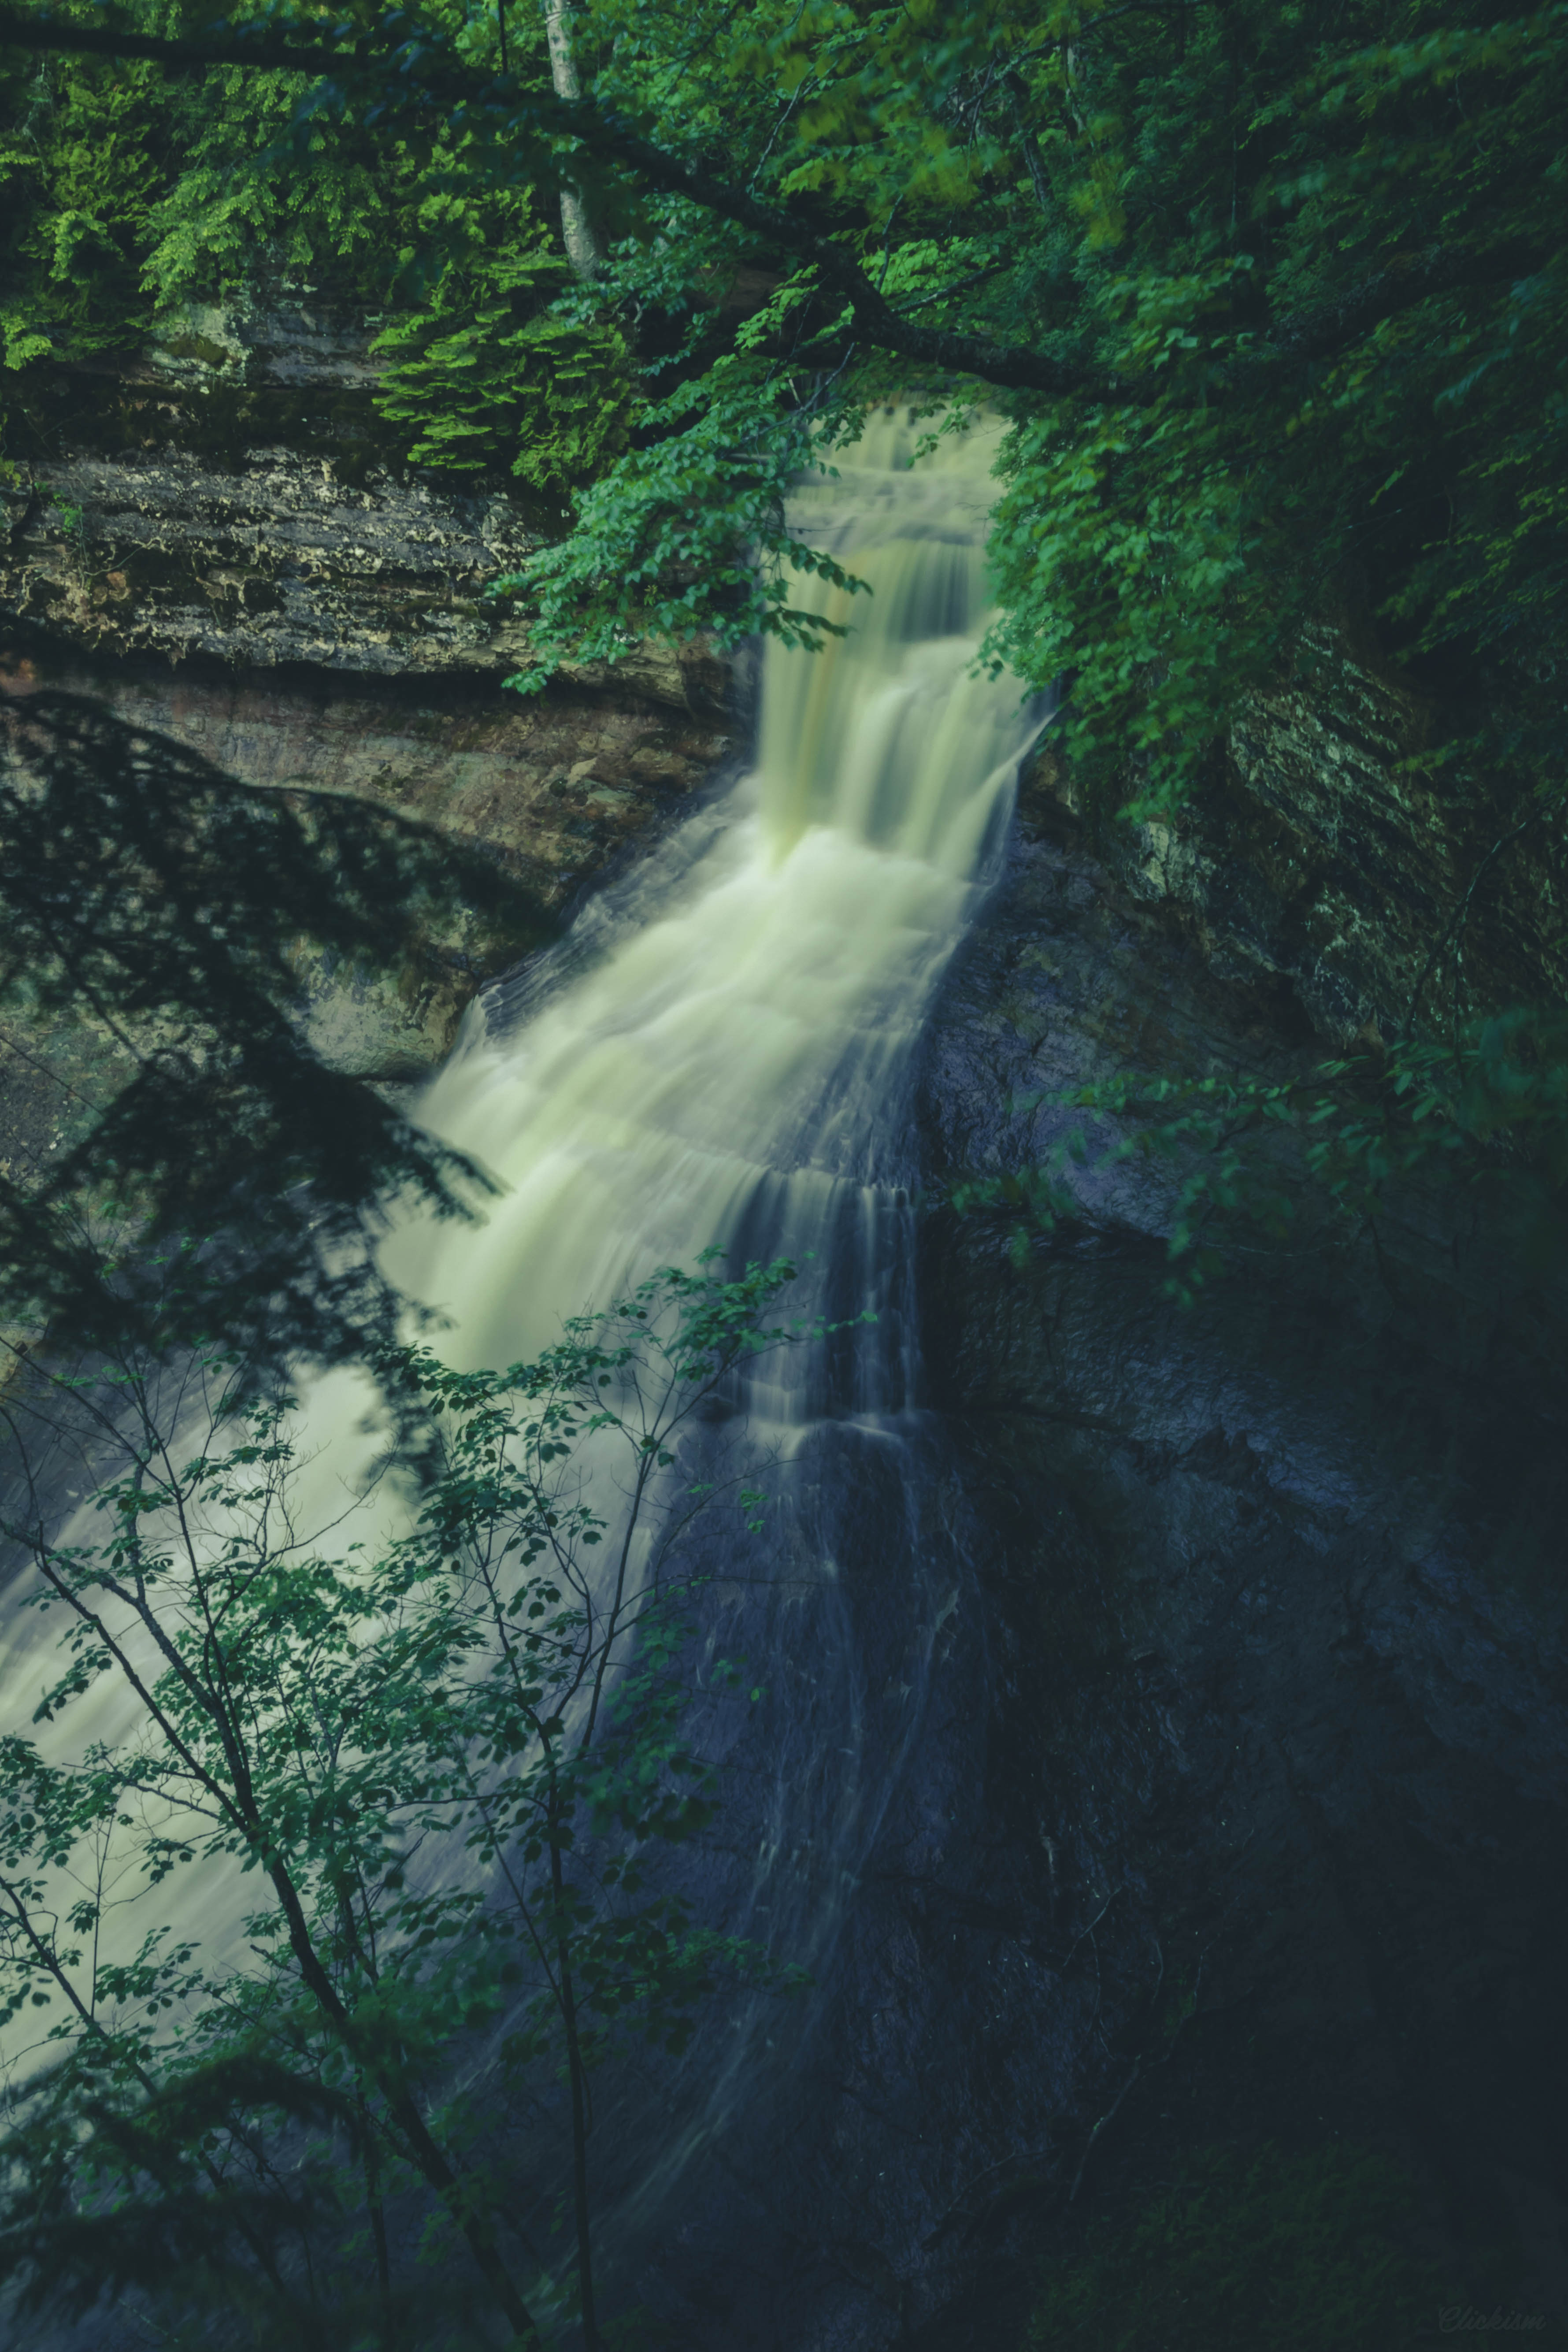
(722, 1073)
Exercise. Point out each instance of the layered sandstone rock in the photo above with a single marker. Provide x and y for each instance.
(216, 542)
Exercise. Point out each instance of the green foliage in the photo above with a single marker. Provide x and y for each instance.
(433, 1770)
(1305, 425)
(78, 184)
(257, 185)
(487, 380)
(1298, 268)
(129, 196)
(686, 533)
(126, 194)
(1304, 2253)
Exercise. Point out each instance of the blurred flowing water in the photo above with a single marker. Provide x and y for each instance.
(720, 1053)
(723, 1054)
(731, 1067)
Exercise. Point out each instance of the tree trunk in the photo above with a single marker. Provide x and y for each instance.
(583, 249)
(568, 2000)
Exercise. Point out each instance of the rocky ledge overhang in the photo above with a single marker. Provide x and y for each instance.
(215, 540)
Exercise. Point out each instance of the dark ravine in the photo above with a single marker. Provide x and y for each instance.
(1236, 1817)
(1274, 1589)
(1239, 1808)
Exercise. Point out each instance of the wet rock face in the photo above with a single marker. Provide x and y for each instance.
(1275, 1593)
(280, 557)
(272, 559)
(556, 789)
(1236, 1804)
(554, 785)
(232, 493)
(1235, 1808)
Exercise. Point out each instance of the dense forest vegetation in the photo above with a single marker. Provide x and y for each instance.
(1271, 295)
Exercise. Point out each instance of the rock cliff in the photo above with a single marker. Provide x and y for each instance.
(1235, 1815)
(216, 542)
(1272, 1589)
(1337, 858)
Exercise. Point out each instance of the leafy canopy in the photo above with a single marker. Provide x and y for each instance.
(486, 375)
(1272, 294)
(130, 199)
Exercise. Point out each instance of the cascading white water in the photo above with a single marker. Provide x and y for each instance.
(723, 1073)
(726, 1065)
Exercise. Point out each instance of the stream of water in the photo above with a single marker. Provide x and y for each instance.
(727, 1065)
(721, 1055)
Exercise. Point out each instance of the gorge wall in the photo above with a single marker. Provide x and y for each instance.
(1276, 1764)
(1237, 1821)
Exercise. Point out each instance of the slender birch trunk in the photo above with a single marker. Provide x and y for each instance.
(584, 250)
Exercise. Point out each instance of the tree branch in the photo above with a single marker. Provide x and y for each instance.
(243, 48)
(1008, 365)
(1317, 333)
(1337, 324)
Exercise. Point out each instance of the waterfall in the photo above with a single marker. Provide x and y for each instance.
(726, 1057)
(723, 1072)
(724, 1062)
(721, 1054)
